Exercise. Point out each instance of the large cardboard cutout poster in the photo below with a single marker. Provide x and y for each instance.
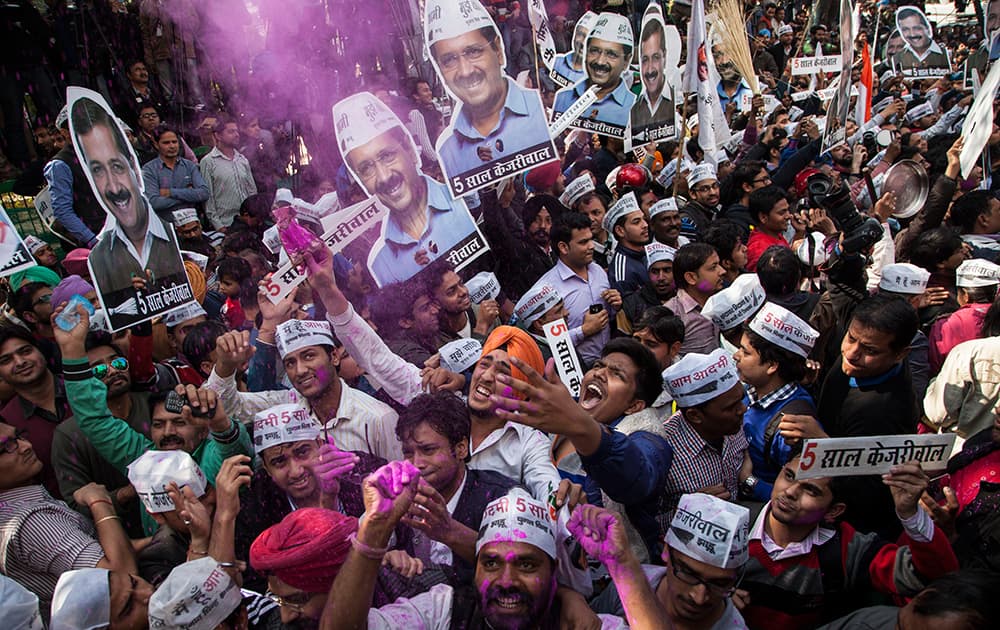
(424, 222)
(835, 131)
(498, 128)
(568, 68)
(921, 56)
(654, 114)
(136, 266)
(608, 53)
(14, 254)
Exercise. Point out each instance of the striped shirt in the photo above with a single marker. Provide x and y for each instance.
(361, 422)
(229, 182)
(697, 464)
(41, 538)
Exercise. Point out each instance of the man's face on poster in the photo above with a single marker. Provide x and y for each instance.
(992, 18)
(651, 60)
(579, 39)
(387, 168)
(605, 62)
(472, 67)
(114, 178)
(894, 45)
(916, 32)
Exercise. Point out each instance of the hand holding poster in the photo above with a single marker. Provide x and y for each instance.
(14, 255)
(979, 121)
(136, 264)
(841, 457)
(498, 129)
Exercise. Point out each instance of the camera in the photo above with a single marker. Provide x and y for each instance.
(860, 232)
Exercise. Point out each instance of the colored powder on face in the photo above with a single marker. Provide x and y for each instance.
(705, 286)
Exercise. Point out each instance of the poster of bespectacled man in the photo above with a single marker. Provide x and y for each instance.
(499, 128)
(568, 67)
(654, 114)
(136, 264)
(921, 55)
(608, 53)
(424, 222)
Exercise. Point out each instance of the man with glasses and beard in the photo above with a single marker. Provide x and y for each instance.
(609, 51)
(138, 245)
(424, 222)
(496, 118)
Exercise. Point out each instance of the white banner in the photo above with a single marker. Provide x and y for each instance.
(979, 121)
(814, 65)
(43, 203)
(875, 455)
(14, 255)
(567, 363)
(545, 47)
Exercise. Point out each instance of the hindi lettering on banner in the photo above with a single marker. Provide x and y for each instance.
(654, 116)
(14, 254)
(815, 65)
(873, 455)
(564, 353)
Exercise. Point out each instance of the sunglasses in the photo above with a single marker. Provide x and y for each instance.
(119, 363)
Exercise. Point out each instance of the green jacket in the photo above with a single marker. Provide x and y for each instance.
(120, 444)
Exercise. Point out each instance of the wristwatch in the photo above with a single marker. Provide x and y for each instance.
(747, 486)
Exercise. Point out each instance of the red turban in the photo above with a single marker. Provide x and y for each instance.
(306, 549)
(518, 344)
(542, 177)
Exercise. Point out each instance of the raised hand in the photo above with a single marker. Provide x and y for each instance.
(388, 493)
(601, 534)
(193, 513)
(943, 514)
(547, 404)
(907, 484)
(235, 473)
(72, 342)
(232, 350)
(403, 563)
(330, 465)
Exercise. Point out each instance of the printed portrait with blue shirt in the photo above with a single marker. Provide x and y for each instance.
(499, 128)
(608, 54)
(424, 222)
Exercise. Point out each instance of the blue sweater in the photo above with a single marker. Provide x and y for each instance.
(755, 422)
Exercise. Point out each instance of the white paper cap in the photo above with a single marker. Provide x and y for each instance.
(904, 278)
(611, 27)
(535, 302)
(197, 595)
(710, 530)
(33, 243)
(663, 205)
(483, 286)
(784, 329)
(888, 74)
(153, 471)
(621, 208)
(977, 273)
(461, 354)
(586, 21)
(736, 303)
(818, 250)
(722, 157)
(921, 110)
(180, 315)
(519, 518)
(576, 189)
(19, 605)
(283, 196)
(657, 252)
(296, 334)
(698, 378)
(700, 173)
(444, 19)
(283, 424)
(62, 118)
(785, 28)
(81, 600)
(183, 216)
(359, 118)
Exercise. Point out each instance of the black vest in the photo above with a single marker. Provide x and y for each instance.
(85, 203)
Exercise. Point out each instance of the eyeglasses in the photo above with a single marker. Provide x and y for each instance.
(762, 180)
(387, 157)
(45, 299)
(284, 603)
(149, 115)
(10, 445)
(607, 53)
(472, 54)
(706, 188)
(692, 579)
(119, 363)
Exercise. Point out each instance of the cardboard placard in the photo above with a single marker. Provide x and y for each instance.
(873, 455)
(564, 353)
(814, 65)
(14, 254)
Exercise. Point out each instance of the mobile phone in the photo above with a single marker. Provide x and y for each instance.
(936, 486)
(596, 308)
(175, 404)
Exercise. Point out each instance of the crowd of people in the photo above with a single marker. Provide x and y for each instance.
(600, 422)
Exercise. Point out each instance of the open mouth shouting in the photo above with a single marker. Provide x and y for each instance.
(593, 394)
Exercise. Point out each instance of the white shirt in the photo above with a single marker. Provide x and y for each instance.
(515, 450)
(361, 423)
(432, 611)
(156, 230)
(440, 553)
